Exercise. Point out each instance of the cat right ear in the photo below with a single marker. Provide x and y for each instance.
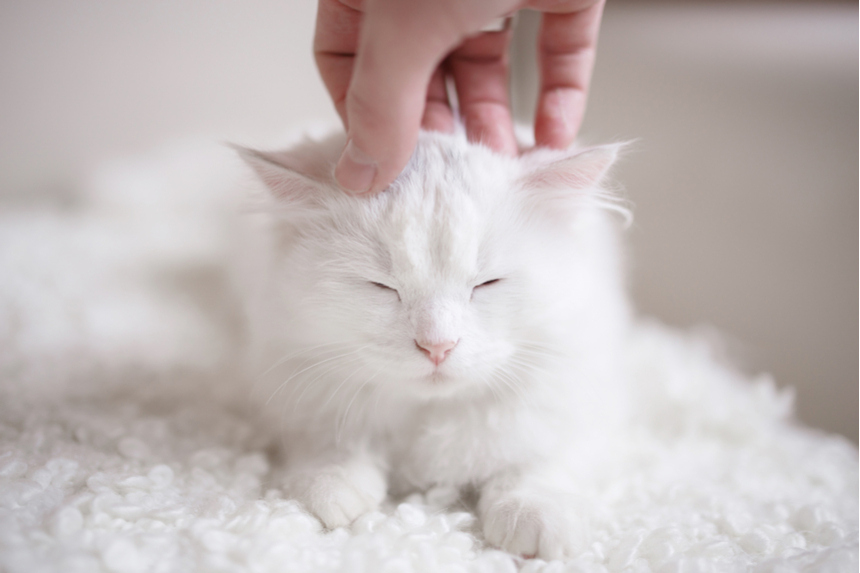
(284, 182)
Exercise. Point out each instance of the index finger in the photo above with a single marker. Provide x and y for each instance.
(335, 43)
(567, 46)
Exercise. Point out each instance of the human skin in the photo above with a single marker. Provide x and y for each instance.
(384, 63)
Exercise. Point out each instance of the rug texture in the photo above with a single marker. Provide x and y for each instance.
(124, 447)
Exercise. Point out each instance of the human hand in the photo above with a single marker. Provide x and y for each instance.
(384, 63)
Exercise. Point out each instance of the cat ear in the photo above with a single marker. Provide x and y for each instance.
(583, 170)
(560, 187)
(285, 182)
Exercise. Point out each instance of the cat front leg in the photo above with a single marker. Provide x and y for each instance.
(522, 514)
(338, 492)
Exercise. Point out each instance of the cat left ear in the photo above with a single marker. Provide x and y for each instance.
(562, 187)
(584, 170)
(284, 182)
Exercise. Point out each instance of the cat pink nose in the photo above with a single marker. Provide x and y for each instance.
(438, 351)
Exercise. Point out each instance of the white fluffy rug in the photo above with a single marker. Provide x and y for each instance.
(122, 450)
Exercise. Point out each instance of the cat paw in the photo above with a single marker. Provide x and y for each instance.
(335, 500)
(531, 528)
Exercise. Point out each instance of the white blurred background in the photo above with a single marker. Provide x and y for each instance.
(745, 176)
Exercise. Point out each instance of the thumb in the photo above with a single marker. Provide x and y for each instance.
(401, 44)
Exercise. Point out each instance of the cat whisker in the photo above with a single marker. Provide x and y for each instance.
(316, 355)
(538, 349)
(491, 384)
(292, 355)
(509, 386)
(528, 365)
(376, 403)
(315, 365)
(308, 383)
(342, 419)
(336, 390)
(508, 378)
(303, 357)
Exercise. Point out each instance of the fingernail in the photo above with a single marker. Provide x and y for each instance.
(355, 170)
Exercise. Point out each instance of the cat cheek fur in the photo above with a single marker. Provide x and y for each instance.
(530, 379)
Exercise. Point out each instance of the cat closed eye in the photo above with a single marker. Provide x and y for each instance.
(382, 286)
(488, 283)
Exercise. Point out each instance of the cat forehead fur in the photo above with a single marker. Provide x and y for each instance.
(441, 217)
(434, 225)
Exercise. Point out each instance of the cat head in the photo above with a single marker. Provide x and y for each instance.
(468, 274)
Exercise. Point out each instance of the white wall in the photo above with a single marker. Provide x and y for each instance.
(744, 178)
(89, 79)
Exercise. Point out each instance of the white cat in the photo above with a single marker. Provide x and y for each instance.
(462, 328)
